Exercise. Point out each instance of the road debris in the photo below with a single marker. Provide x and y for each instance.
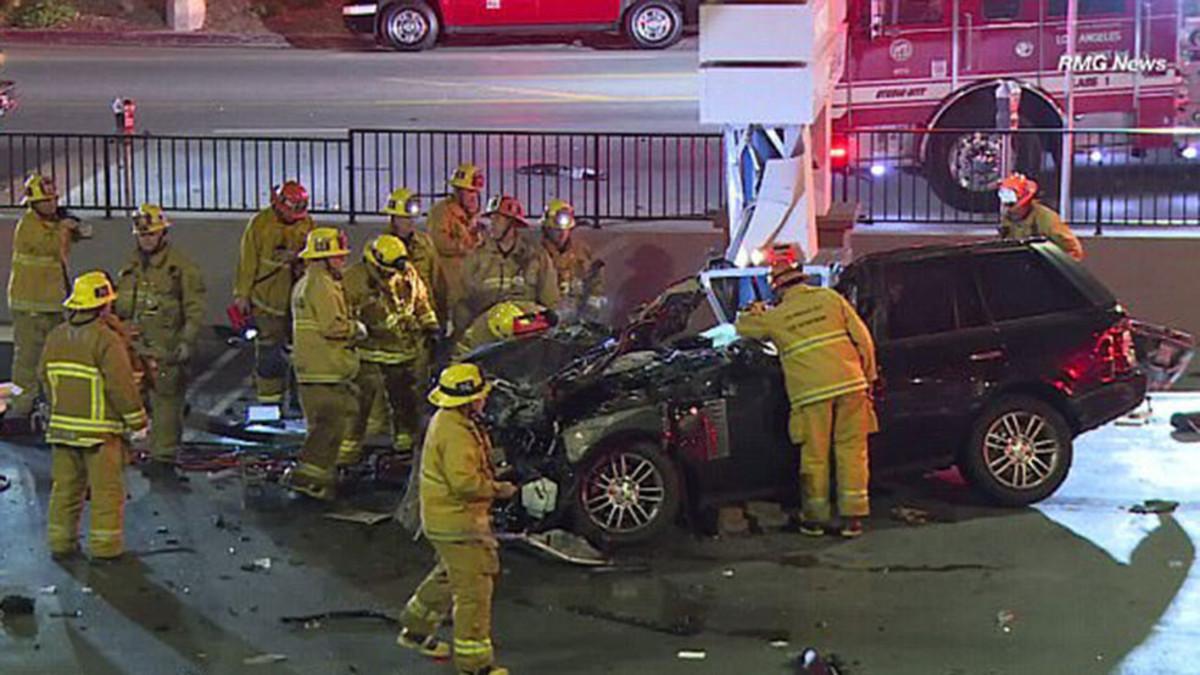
(692, 654)
(779, 644)
(732, 521)
(264, 659)
(810, 662)
(87, 590)
(259, 565)
(48, 590)
(910, 516)
(1151, 506)
(66, 615)
(310, 621)
(728, 574)
(1005, 619)
(16, 605)
(766, 516)
(360, 517)
(558, 545)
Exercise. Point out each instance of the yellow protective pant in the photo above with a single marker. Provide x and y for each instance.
(273, 334)
(75, 471)
(29, 336)
(166, 411)
(395, 388)
(834, 430)
(328, 411)
(464, 578)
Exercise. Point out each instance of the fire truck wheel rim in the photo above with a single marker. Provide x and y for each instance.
(408, 26)
(653, 24)
(975, 161)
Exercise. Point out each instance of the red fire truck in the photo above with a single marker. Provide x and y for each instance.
(936, 64)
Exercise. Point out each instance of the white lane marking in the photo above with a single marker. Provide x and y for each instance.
(229, 399)
(213, 368)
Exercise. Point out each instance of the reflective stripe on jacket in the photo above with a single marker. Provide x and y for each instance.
(398, 313)
(1042, 221)
(264, 273)
(85, 367)
(492, 276)
(322, 330)
(164, 296)
(37, 281)
(457, 481)
(824, 347)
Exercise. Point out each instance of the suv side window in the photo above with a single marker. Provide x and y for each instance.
(928, 297)
(1020, 284)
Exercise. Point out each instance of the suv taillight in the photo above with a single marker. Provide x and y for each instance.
(1115, 347)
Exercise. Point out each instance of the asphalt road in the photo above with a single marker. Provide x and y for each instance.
(256, 91)
(1076, 585)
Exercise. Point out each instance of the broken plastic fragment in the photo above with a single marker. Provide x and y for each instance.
(1155, 506)
(692, 654)
(264, 659)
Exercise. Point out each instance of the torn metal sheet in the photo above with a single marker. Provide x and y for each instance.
(360, 517)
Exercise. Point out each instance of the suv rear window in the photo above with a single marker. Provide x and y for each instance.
(928, 297)
(1020, 284)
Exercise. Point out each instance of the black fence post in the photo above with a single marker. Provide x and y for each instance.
(351, 169)
(596, 180)
(107, 180)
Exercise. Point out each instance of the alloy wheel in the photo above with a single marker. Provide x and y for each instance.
(653, 24)
(625, 493)
(1021, 450)
(408, 26)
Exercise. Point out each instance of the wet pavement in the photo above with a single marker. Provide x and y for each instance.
(1077, 585)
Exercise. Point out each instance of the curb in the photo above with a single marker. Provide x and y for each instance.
(173, 39)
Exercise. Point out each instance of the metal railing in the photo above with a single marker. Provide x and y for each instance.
(605, 176)
(1119, 177)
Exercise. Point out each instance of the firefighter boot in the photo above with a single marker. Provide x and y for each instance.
(426, 645)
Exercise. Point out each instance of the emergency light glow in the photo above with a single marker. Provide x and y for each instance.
(1190, 152)
(1096, 156)
(878, 170)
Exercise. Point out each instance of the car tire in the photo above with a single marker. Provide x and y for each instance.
(1019, 452)
(613, 480)
(654, 24)
(409, 26)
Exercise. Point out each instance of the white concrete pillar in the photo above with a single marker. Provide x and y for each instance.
(185, 16)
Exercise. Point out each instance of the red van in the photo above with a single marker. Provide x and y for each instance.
(413, 25)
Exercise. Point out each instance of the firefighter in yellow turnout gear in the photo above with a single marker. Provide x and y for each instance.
(580, 275)
(501, 323)
(453, 226)
(37, 282)
(267, 269)
(402, 208)
(161, 293)
(457, 489)
(507, 267)
(325, 362)
(828, 360)
(1023, 216)
(390, 298)
(94, 401)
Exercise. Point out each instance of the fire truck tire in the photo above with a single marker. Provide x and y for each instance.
(409, 26)
(654, 24)
(949, 151)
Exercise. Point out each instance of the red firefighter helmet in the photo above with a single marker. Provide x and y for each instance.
(1017, 191)
(507, 205)
(290, 201)
(786, 261)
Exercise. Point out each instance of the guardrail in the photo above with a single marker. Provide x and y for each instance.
(1119, 177)
(605, 176)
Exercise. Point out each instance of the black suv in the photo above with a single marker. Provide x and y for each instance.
(993, 356)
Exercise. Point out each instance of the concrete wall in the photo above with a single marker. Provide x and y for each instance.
(640, 259)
